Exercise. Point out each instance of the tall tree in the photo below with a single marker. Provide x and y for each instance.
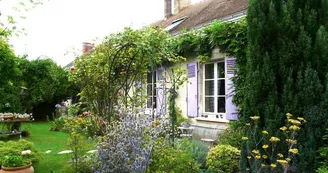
(9, 85)
(286, 69)
(45, 81)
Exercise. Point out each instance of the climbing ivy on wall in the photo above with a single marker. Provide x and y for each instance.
(229, 37)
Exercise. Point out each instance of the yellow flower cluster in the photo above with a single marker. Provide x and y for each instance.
(274, 139)
(244, 138)
(262, 165)
(258, 157)
(265, 146)
(248, 124)
(282, 162)
(293, 150)
(265, 132)
(288, 159)
(289, 115)
(273, 165)
(294, 128)
(255, 118)
(257, 152)
(280, 155)
(303, 121)
(264, 156)
(284, 128)
(291, 141)
(294, 122)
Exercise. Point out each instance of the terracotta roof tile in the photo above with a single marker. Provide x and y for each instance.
(203, 13)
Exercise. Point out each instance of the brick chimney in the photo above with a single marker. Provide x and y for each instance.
(87, 47)
(167, 8)
(180, 4)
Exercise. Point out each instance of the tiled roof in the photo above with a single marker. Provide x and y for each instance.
(203, 13)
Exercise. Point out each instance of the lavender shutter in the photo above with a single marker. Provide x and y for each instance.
(192, 91)
(231, 109)
(160, 92)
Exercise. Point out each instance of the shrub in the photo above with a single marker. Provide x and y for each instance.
(261, 151)
(166, 158)
(128, 143)
(85, 164)
(200, 150)
(16, 148)
(223, 158)
(57, 124)
(232, 135)
(180, 117)
(322, 170)
(80, 163)
(323, 152)
(87, 125)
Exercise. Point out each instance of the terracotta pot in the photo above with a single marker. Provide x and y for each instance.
(23, 169)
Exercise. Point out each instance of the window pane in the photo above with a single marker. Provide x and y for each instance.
(221, 73)
(221, 104)
(209, 87)
(209, 71)
(149, 87)
(209, 104)
(149, 103)
(221, 87)
(149, 77)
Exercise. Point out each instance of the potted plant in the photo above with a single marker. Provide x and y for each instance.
(16, 164)
(25, 133)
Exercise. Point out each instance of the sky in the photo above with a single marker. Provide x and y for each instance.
(57, 28)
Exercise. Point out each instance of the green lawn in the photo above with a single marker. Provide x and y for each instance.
(44, 140)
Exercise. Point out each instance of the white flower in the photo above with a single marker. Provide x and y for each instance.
(26, 152)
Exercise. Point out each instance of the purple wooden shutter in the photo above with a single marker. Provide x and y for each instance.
(231, 109)
(160, 92)
(192, 91)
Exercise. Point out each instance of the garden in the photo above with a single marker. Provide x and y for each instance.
(281, 88)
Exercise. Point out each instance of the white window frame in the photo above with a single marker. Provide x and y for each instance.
(213, 115)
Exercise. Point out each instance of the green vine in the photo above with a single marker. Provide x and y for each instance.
(229, 37)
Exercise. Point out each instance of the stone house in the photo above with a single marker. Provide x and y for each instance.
(207, 97)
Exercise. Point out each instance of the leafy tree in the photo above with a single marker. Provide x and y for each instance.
(9, 73)
(45, 81)
(286, 69)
